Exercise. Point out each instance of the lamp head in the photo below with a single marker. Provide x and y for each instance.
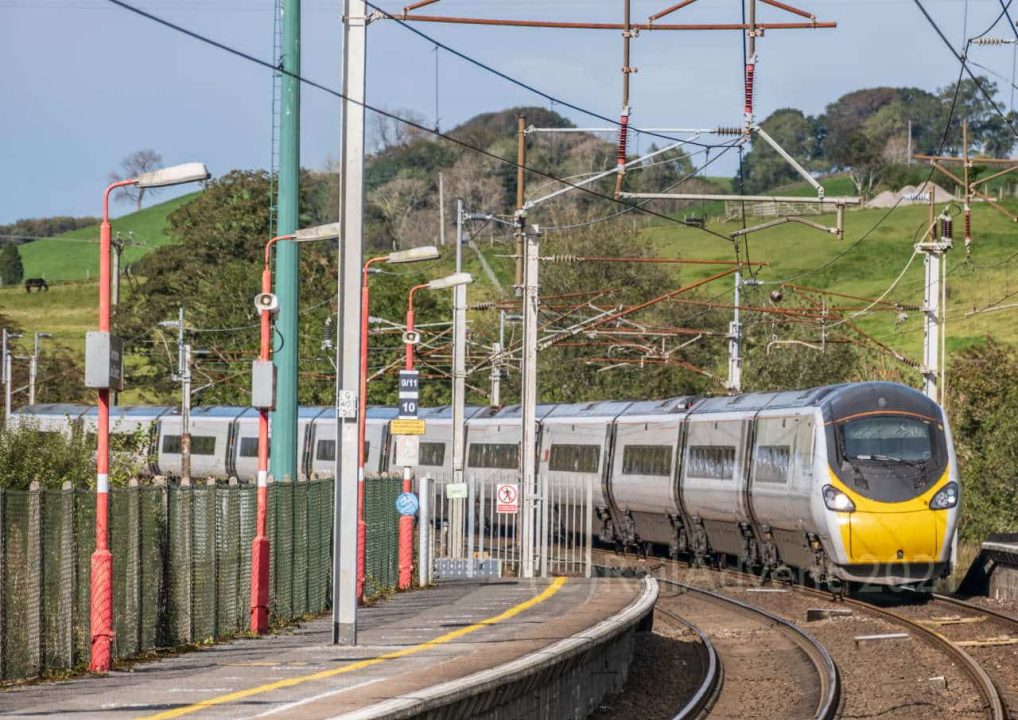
(175, 175)
(454, 280)
(417, 254)
(318, 232)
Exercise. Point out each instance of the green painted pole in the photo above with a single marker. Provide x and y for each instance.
(283, 456)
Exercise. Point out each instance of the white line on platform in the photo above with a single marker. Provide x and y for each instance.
(313, 698)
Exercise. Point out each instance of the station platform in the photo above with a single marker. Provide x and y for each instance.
(466, 648)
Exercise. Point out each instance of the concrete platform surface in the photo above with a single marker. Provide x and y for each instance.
(408, 643)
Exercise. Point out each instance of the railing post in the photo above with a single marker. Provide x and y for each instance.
(424, 558)
(187, 535)
(212, 533)
(35, 571)
(588, 535)
(68, 572)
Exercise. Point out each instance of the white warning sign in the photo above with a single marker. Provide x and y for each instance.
(507, 497)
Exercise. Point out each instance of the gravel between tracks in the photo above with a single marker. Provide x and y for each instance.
(665, 673)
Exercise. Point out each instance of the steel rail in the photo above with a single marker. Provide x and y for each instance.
(982, 681)
(700, 705)
(995, 614)
(830, 681)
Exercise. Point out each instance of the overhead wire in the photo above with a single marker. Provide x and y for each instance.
(392, 116)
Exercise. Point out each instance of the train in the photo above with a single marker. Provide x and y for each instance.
(849, 483)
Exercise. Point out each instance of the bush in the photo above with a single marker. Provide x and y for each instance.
(28, 453)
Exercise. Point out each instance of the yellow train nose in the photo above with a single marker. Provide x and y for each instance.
(894, 537)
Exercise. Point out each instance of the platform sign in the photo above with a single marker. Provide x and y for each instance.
(409, 393)
(406, 426)
(408, 448)
(407, 504)
(507, 498)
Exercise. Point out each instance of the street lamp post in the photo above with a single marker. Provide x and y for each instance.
(427, 252)
(8, 375)
(33, 367)
(263, 397)
(103, 371)
(406, 522)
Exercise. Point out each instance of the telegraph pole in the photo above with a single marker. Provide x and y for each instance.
(459, 348)
(33, 367)
(283, 456)
(441, 213)
(351, 215)
(528, 448)
(183, 376)
(521, 196)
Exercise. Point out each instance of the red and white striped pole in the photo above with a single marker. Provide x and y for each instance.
(406, 522)
(101, 600)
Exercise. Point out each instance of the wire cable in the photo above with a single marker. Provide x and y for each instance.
(392, 116)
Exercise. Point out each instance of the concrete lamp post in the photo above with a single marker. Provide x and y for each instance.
(104, 371)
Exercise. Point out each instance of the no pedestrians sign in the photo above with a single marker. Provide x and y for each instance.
(507, 497)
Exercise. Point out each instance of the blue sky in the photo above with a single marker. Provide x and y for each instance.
(87, 83)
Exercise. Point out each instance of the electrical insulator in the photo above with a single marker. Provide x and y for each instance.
(620, 157)
(992, 41)
(750, 71)
(728, 131)
(946, 228)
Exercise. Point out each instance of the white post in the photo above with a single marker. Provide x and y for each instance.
(351, 213)
(734, 342)
(424, 559)
(528, 447)
(184, 374)
(933, 251)
(459, 361)
(33, 370)
(7, 378)
(441, 216)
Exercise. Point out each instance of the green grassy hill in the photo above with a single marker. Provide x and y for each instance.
(74, 256)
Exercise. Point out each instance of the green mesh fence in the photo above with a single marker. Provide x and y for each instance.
(181, 564)
(381, 566)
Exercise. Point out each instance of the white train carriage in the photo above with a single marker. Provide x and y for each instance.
(434, 455)
(493, 444)
(213, 432)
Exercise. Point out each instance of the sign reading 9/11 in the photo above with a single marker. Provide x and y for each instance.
(409, 393)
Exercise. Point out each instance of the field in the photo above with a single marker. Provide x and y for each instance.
(74, 255)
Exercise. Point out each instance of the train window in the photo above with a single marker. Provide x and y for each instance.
(327, 450)
(712, 461)
(647, 460)
(494, 455)
(574, 458)
(771, 463)
(171, 444)
(203, 445)
(249, 447)
(879, 438)
(432, 454)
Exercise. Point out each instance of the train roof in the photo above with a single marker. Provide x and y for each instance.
(667, 406)
(515, 411)
(755, 402)
(444, 412)
(599, 408)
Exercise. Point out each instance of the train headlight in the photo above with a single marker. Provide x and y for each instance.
(946, 498)
(836, 500)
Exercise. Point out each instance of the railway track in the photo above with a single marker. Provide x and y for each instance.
(763, 657)
(892, 680)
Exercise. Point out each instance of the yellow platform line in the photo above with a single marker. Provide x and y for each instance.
(553, 588)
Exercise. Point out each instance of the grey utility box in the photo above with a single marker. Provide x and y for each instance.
(104, 361)
(263, 385)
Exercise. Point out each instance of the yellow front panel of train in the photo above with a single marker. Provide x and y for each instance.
(893, 537)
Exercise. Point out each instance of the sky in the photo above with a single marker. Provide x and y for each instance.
(87, 83)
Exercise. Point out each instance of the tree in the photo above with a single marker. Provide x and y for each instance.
(11, 269)
(132, 166)
(983, 408)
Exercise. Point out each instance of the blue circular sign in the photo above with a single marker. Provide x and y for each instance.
(407, 504)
